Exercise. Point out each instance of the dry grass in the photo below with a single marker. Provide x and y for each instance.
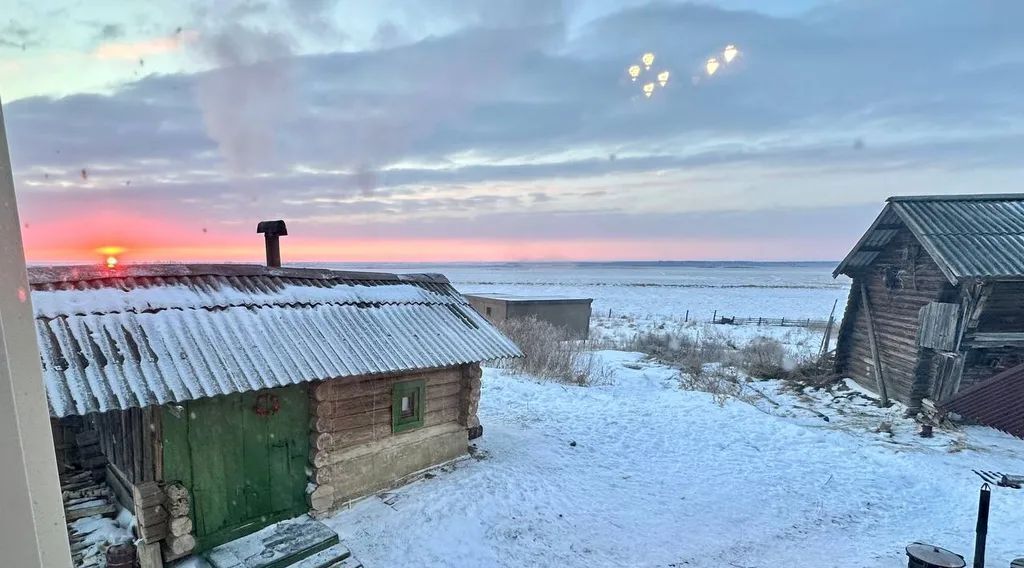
(691, 354)
(711, 363)
(721, 382)
(762, 358)
(549, 354)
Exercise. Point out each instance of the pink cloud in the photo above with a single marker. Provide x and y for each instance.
(132, 50)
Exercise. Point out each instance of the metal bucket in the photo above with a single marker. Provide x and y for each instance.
(121, 556)
(928, 556)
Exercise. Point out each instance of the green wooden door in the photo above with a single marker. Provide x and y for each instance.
(243, 457)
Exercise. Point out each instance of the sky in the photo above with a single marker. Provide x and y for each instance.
(505, 130)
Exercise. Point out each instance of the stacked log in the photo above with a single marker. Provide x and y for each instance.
(179, 541)
(85, 495)
(90, 455)
(150, 513)
(469, 401)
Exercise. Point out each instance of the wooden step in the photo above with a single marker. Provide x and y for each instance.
(337, 556)
(280, 545)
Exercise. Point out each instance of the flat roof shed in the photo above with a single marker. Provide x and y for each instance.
(569, 313)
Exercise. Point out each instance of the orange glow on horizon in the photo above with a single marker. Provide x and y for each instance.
(296, 250)
(155, 239)
(110, 250)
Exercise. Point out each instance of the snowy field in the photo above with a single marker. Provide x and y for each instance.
(657, 291)
(638, 472)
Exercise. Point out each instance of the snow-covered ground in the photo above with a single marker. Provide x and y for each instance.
(638, 472)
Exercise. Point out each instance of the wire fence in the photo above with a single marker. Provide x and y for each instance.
(777, 322)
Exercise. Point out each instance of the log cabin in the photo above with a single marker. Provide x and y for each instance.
(937, 301)
(226, 398)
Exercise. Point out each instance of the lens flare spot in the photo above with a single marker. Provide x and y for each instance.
(711, 66)
(634, 72)
(648, 90)
(663, 78)
(648, 59)
(730, 53)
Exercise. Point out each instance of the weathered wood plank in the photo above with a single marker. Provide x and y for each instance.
(875, 359)
(135, 423)
(119, 487)
(149, 556)
(103, 508)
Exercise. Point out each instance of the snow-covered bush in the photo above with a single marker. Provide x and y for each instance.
(548, 353)
(762, 358)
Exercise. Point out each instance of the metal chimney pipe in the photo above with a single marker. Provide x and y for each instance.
(984, 499)
(272, 231)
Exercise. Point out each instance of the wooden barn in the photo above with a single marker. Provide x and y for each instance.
(937, 302)
(226, 398)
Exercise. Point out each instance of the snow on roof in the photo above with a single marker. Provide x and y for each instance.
(154, 334)
(968, 236)
(522, 298)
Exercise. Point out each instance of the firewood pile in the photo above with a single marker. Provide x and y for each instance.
(85, 495)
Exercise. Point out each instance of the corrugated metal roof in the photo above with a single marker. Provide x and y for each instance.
(968, 236)
(997, 402)
(154, 334)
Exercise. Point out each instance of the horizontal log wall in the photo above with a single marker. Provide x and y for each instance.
(131, 441)
(895, 313)
(353, 449)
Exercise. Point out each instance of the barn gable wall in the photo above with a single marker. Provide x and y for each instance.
(900, 281)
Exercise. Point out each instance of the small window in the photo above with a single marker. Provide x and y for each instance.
(407, 400)
(488, 311)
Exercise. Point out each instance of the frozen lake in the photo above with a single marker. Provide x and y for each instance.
(656, 290)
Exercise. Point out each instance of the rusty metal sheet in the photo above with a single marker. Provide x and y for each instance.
(997, 402)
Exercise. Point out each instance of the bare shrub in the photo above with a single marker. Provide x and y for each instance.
(548, 353)
(721, 382)
(692, 354)
(814, 371)
(762, 358)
